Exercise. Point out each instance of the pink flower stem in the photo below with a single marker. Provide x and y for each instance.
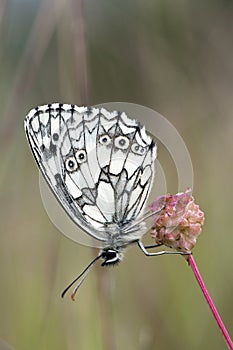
(210, 302)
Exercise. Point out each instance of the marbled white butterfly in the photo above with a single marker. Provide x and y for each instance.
(100, 166)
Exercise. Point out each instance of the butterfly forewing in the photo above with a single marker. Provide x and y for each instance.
(99, 165)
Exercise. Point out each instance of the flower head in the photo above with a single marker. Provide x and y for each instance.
(179, 222)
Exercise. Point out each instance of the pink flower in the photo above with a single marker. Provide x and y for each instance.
(179, 223)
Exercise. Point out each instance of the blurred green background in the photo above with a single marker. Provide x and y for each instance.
(172, 56)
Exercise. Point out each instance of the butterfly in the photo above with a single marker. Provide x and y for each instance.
(100, 166)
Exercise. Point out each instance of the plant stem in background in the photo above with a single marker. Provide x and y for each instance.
(210, 302)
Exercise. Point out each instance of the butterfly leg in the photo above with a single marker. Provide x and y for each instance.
(144, 249)
(153, 246)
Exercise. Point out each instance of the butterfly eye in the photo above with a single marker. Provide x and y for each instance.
(136, 148)
(81, 156)
(122, 142)
(105, 139)
(71, 164)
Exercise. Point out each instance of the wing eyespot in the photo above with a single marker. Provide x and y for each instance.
(81, 156)
(71, 164)
(121, 142)
(55, 137)
(105, 139)
(137, 149)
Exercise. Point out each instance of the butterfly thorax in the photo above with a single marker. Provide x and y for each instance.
(120, 235)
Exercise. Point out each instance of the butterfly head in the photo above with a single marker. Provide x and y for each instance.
(111, 256)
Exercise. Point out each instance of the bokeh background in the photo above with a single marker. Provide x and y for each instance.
(172, 56)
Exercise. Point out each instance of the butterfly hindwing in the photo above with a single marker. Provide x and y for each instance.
(99, 164)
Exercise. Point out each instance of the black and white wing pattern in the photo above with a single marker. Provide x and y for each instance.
(99, 164)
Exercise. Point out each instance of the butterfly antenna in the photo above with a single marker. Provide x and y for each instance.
(82, 275)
